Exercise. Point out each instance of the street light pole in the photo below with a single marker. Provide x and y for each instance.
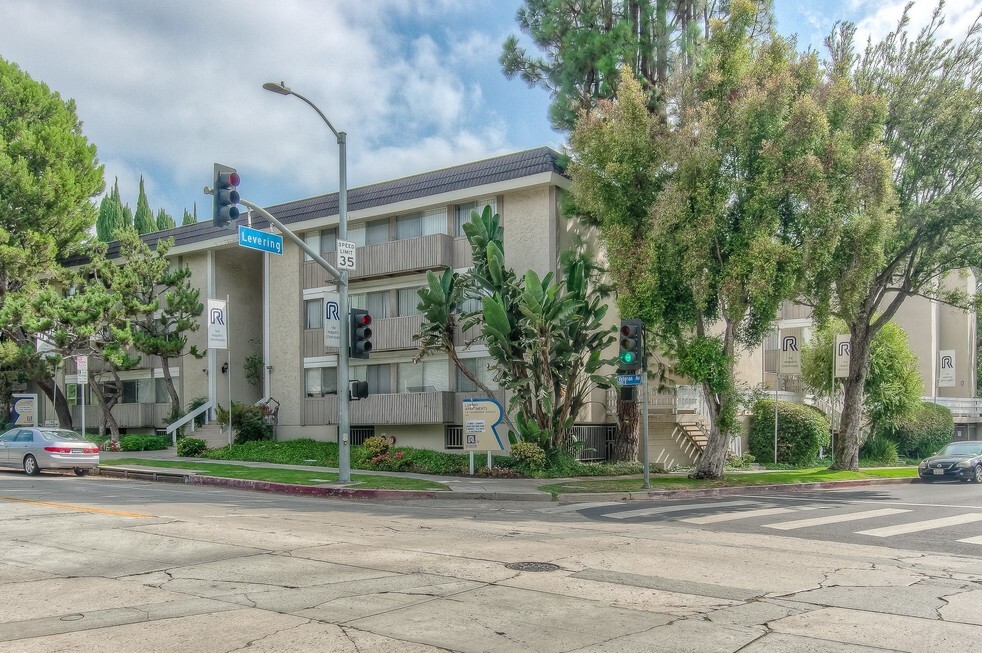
(344, 381)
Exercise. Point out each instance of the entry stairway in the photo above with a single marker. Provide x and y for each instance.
(213, 434)
(676, 438)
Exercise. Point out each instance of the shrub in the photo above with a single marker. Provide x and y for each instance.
(926, 432)
(802, 432)
(879, 450)
(143, 442)
(248, 423)
(191, 447)
(528, 456)
(376, 445)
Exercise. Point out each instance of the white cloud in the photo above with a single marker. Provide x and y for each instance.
(880, 18)
(166, 89)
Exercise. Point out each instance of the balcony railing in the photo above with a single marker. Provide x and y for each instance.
(388, 334)
(406, 408)
(396, 257)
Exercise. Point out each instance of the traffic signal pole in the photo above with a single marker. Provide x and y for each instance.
(344, 418)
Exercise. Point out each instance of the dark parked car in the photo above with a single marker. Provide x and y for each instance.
(33, 449)
(959, 460)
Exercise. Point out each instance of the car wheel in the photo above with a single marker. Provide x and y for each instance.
(977, 475)
(31, 465)
(81, 472)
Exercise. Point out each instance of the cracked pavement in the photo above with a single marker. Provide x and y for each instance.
(223, 571)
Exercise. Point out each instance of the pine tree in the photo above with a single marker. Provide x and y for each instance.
(164, 221)
(143, 220)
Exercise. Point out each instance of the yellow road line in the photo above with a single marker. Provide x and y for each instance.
(70, 507)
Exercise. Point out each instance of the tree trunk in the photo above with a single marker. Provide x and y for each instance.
(64, 412)
(175, 400)
(107, 416)
(713, 458)
(848, 439)
(628, 427)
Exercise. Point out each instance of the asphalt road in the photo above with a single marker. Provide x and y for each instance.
(98, 564)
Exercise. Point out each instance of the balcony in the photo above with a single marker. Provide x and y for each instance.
(388, 334)
(378, 410)
(432, 252)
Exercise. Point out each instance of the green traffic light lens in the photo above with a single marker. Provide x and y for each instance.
(627, 357)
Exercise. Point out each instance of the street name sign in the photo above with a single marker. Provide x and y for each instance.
(346, 255)
(629, 379)
(260, 240)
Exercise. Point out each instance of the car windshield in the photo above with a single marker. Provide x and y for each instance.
(53, 435)
(962, 450)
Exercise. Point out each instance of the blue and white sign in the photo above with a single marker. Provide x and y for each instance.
(264, 242)
(332, 320)
(629, 379)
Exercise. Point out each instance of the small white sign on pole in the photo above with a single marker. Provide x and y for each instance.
(332, 320)
(946, 368)
(82, 364)
(217, 327)
(346, 255)
(842, 356)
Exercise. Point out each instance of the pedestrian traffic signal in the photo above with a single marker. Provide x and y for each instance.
(361, 334)
(225, 196)
(631, 355)
(359, 390)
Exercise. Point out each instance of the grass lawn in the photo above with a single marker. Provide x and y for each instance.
(732, 479)
(293, 476)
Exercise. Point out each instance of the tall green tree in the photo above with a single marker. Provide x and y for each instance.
(160, 305)
(744, 189)
(893, 386)
(582, 44)
(48, 174)
(164, 221)
(110, 217)
(143, 220)
(192, 217)
(933, 133)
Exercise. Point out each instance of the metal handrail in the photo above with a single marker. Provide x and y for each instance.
(171, 429)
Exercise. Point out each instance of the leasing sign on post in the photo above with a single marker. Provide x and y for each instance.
(842, 356)
(946, 368)
(790, 361)
(217, 327)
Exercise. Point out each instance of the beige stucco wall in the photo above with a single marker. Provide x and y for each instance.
(286, 308)
(194, 380)
(530, 228)
(238, 275)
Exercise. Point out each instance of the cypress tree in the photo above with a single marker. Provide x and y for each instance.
(143, 220)
(164, 221)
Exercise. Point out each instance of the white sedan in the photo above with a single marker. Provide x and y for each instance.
(33, 449)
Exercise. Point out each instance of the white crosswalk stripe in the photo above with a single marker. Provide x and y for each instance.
(645, 512)
(834, 519)
(917, 526)
(573, 507)
(972, 540)
(733, 516)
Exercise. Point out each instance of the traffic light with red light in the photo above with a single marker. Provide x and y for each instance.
(225, 196)
(361, 334)
(631, 355)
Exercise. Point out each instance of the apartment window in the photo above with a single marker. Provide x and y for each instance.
(312, 239)
(313, 312)
(160, 390)
(329, 241)
(430, 376)
(426, 223)
(480, 368)
(463, 212)
(376, 303)
(357, 235)
(139, 391)
(379, 378)
(377, 232)
(408, 301)
(321, 381)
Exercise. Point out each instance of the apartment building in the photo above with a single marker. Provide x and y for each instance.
(403, 229)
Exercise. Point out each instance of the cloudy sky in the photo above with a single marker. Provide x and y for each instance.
(167, 88)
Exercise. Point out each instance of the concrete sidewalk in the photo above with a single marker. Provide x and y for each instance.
(461, 487)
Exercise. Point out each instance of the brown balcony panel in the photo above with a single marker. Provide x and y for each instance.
(395, 332)
(396, 257)
(378, 410)
(313, 344)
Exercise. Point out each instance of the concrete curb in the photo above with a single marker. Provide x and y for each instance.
(180, 476)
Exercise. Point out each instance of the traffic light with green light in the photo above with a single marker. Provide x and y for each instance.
(631, 355)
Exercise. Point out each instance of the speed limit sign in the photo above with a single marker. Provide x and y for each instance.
(346, 255)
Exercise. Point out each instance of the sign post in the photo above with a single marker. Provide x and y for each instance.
(82, 365)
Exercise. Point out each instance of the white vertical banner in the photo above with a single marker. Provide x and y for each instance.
(790, 361)
(946, 368)
(217, 324)
(842, 355)
(332, 320)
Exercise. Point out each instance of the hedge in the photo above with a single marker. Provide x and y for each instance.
(802, 431)
(925, 433)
